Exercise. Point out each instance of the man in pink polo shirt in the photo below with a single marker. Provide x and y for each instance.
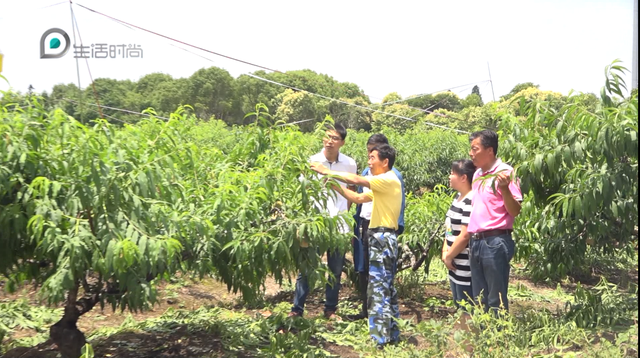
(491, 246)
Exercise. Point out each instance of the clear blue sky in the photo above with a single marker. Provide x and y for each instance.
(408, 47)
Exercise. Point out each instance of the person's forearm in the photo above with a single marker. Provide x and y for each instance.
(349, 202)
(459, 244)
(513, 206)
(350, 178)
(352, 196)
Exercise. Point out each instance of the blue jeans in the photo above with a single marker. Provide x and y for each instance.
(335, 262)
(461, 293)
(490, 270)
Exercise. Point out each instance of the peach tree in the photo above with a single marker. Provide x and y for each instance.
(579, 166)
(99, 214)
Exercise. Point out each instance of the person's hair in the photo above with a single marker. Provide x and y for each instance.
(464, 167)
(488, 138)
(377, 139)
(339, 128)
(385, 151)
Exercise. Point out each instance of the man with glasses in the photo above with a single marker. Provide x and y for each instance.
(331, 158)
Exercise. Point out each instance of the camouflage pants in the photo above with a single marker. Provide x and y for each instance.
(381, 294)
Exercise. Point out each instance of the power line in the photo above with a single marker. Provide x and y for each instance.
(333, 99)
(277, 83)
(93, 85)
(353, 104)
(117, 109)
(426, 94)
(73, 28)
(296, 122)
(427, 110)
(182, 42)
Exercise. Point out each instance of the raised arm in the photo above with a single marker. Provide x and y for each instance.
(352, 196)
(510, 192)
(349, 178)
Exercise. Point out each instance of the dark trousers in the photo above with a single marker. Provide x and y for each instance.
(363, 279)
(490, 267)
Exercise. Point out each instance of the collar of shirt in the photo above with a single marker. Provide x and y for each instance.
(320, 157)
(493, 168)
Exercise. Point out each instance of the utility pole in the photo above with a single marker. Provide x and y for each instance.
(634, 63)
(490, 81)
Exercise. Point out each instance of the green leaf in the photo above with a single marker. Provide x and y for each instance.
(551, 162)
(537, 163)
(577, 207)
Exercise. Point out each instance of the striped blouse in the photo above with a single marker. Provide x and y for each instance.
(458, 216)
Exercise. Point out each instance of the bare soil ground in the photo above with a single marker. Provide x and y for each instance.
(191, 295)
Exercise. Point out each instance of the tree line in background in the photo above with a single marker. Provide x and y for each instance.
(213, 93)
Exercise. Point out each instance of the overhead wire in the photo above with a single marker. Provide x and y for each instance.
(273, 70)
(179, 41)
(119, 109)
(431, 93)
(353, 104)
(93, 85)
(73, 28)
(337, 100)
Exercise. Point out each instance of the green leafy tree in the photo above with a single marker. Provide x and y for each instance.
(432, 102)
(520, 100)
(391, 97)
(580, 170)
(476, 90)
(472, 100)
(97, 215)
(350, 116)
(211, 91)
(109, 93)
(401, 117)
(447, 100)
(60, 96)
(251, 90)
(299, 108)
(517, 88)
(321, 84)
(147, 86)
(168, 96)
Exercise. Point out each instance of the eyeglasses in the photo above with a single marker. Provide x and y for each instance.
(333, 138)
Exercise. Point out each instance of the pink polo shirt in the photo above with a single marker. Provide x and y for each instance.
(488, 211)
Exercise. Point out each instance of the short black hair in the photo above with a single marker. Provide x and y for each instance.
(377, 138)
(385, 151)
(339, 128)
(488, 138)
(464, 167)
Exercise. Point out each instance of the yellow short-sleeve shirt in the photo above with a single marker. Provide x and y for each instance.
(386, 193)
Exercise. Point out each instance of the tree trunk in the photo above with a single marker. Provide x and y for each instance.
(65, 333)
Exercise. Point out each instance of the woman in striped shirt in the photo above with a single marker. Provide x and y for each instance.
(455, 249)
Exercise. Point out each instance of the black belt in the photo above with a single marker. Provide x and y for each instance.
(491, 233)
(382, 229)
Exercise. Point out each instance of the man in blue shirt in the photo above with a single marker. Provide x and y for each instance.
(362, 218)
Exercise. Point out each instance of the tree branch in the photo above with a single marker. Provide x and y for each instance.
(425, 252)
